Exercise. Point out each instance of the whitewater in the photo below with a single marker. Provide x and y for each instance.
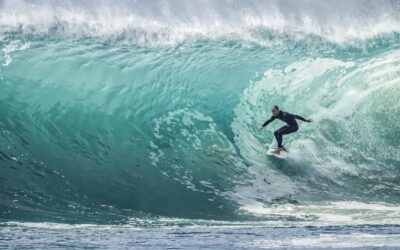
(134, 124)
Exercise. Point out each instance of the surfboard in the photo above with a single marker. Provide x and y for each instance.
(281, 155)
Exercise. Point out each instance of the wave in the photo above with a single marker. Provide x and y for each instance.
(101, 131)
(169, 22)
(354, 108)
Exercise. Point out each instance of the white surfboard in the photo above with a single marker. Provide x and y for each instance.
(281, 155)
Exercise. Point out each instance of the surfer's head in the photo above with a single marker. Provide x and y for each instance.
(275, 110)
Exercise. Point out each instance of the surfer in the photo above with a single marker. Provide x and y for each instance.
(291, 127)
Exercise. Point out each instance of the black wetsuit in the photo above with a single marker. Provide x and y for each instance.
(291, 126)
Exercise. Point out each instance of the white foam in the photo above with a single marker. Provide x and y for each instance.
(333, 213)
(166, 22)
(319, 214)
(12, 47)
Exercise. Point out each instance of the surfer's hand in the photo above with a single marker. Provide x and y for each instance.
(261, 128)
(309, 120)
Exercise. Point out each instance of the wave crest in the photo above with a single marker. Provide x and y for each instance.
(168, 22)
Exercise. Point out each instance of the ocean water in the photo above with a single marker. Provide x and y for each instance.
(134, 124)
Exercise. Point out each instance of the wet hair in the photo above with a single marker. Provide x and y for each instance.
(276, 107)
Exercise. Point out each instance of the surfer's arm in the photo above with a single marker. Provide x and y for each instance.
(302, 118)
(268, 121)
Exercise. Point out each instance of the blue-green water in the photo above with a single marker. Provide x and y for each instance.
(136, 114)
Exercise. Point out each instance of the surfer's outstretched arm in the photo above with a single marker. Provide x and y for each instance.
(302, 118)
(267, 122)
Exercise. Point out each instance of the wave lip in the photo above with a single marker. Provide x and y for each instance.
(168, 22)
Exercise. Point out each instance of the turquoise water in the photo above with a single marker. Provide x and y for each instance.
(134, 114)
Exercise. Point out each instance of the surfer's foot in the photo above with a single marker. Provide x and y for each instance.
(277, 151)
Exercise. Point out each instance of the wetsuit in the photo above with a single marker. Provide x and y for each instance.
(291, 126)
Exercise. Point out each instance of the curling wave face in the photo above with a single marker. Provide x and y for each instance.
(112, 111)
